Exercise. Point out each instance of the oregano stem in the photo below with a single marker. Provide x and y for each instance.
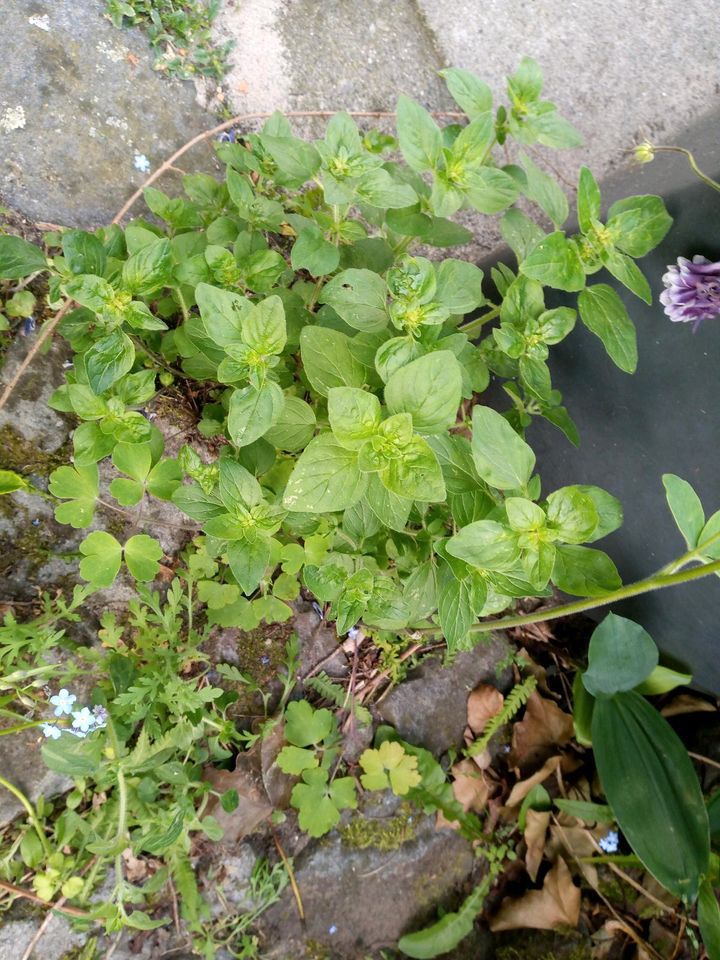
(472, 326)
(693, 165)
(657, 581)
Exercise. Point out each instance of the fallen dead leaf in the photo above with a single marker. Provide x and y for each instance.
(254, 806)
(484, 702)
(523, 787)
(536, 825)
(687, 703)
(543, 729)
(136, 869)
(558, 903)
(470, 787)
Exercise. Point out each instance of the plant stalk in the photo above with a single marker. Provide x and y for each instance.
(657, 581)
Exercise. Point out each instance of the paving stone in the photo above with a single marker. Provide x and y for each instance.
(430, 708)
(79, 101)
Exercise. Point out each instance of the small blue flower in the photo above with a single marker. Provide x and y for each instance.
(35, 522)
(83, 720)
(227, 136)
(141, 163)
(332, 930)
(264, 660)
(28, 326)
(355, 633)
(51, 731)
(63, 702)
(101, 715)
(610, 842)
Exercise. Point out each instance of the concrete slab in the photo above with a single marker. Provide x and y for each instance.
(80, 106)
(620, 71)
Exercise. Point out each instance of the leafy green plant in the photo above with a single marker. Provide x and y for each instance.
(337, 365)
(179, 32)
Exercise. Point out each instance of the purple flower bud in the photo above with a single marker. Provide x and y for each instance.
(693, 290)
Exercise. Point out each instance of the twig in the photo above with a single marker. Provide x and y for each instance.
(243, 118)
(27, 895)
(175, 912)
(40, 931)
(291, 877)
(33, 351)
(701, 759)
(113, 946)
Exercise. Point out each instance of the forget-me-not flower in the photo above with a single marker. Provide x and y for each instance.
(83, 720)
(610, 842)
(63, 702)
(51, 731)
(141, 163)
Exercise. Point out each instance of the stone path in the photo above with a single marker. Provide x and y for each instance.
(79, 100)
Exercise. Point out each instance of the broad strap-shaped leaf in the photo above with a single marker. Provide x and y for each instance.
(652, 787)
(621, 655)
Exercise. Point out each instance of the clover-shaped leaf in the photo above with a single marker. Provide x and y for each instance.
(305, 725)
(294, 760)
(102, 555)
(319, 803)
(136, 460)
(79, 486)
(141, 556)
(389, 766)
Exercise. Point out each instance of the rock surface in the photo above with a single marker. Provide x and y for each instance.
(430, 708)
(359, 901)
(79, 102)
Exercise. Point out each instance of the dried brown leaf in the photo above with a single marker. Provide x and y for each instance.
(543, 729)
(523, 787)
(558, 903)
(470, 787)
(136, 869)
(483, 703)
(536, 825)
(687, 703)
(254, 806)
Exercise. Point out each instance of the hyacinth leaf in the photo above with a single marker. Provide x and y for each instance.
(620, 656)
(640, 757)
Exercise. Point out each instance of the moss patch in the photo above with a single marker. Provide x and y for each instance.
(381, 834)
(23, 456)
